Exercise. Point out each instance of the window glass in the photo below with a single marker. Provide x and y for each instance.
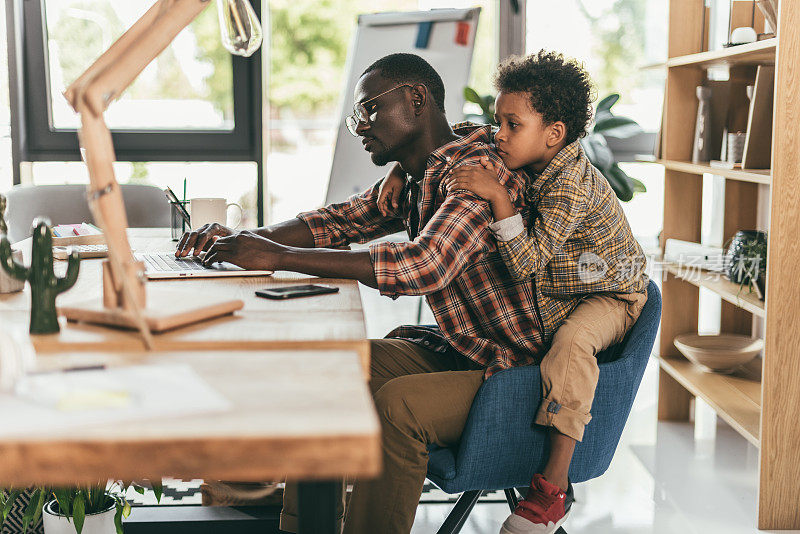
(193, 92)
(6, 175)
(308, 51)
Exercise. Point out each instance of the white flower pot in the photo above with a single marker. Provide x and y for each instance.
(99, 523)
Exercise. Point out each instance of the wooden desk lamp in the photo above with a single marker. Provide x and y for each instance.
(125, 301)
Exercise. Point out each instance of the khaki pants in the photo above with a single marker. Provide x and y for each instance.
(569, 369)
(421, 397)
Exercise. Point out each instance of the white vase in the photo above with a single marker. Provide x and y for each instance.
(99, 523)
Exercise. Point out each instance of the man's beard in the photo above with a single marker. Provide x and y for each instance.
(380, 159)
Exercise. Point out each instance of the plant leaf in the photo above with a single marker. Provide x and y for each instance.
(599, 153)
(138, 489)
(118, 520)
(638, 186)
(12, 497)
(63, 500)
(158, 489)
(620, 182)
(471, 95)
(40, 506)
(30, 510)
(608, 102)
(615, 126)
(78, 512)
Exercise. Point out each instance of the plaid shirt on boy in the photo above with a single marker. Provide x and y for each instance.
(481, 311)
(579, 240)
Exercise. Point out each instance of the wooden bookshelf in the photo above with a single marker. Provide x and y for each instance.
(758, 53)
(742, 175)
(730, 292)
(736, 397)
(757, 408)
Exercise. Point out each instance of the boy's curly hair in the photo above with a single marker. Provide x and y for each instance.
(559, 88)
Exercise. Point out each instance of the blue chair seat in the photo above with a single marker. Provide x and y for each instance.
(501, 448)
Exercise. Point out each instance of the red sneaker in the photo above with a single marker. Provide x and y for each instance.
(543, 510)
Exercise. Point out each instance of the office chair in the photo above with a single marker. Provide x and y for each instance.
(501, 448)
(146, 207)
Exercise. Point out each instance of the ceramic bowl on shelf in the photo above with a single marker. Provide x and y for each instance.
(721, 353)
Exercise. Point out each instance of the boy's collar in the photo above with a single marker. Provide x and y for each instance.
(565, 156)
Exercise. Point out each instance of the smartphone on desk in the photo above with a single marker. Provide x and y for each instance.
(291, 292)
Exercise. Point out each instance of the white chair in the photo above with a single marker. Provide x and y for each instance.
(146, 207)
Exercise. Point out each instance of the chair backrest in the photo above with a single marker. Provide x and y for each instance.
(502, 448)
(145, 205)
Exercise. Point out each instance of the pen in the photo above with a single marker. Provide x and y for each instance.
(79, 368)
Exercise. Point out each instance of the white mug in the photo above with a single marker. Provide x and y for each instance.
(211, 210)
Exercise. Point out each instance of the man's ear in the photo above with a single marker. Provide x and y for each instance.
(419, 98)
(556, 133)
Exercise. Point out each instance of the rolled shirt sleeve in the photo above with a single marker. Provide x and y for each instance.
(508, 228)
(357, 220)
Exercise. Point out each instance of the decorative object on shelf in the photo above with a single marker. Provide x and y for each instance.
(735, 148)
(770, 10)
(701, 152)
(721, 353)
(746, 260)
(45, 285)
(758, 146)
(8, 284)
(743, 35)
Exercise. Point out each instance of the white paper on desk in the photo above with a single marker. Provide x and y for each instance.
(52, 401)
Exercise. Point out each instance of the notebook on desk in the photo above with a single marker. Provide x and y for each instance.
(166, 266)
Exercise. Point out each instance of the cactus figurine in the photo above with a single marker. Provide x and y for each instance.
(45, 285)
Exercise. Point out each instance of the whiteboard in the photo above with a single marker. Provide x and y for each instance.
(381, 34)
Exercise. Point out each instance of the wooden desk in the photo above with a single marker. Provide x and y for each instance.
(303, 414)
(333, 321)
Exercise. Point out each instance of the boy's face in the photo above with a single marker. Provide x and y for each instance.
(523, 140)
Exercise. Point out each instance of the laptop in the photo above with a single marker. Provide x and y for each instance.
(167, 266)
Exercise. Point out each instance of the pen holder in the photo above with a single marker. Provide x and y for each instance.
(177, 224)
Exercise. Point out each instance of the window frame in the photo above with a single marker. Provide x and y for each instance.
(33, 139)
(42, 142)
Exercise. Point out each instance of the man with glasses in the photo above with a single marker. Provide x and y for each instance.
(423, 379)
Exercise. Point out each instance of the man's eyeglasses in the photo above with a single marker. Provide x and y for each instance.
(361, 114)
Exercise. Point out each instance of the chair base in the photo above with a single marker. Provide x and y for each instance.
(458, 515)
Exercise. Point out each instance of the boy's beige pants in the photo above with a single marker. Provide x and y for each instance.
(569, 369)
(424, 397)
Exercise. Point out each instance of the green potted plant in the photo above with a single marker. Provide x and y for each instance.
(95, 509)
(594, 144)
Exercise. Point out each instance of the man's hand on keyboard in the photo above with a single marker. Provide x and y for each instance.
(246, 249)
(201, 239)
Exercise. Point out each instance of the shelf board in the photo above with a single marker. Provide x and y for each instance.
(735, 397)
(760, 52)
(749, 175)
(721, 286)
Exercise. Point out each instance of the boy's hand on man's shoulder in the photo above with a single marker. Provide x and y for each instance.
(481, 180)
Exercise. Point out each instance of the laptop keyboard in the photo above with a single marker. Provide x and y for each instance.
(168, 263)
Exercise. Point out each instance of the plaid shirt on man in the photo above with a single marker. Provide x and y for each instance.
(578, 241)
(481, 311)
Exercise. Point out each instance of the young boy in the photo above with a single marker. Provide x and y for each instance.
(587, 269)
